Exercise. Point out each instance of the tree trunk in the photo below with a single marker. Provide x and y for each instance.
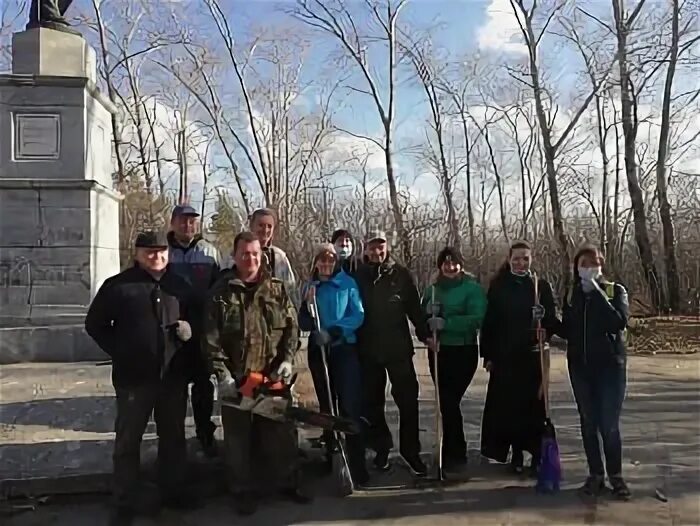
(394, 198)
(499, 186)
(669, 236)
(629, 129)
(549, 154)
(470, 210)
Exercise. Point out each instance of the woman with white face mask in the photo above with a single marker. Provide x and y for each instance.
(514, 412)
(595, 317)
(345, 249)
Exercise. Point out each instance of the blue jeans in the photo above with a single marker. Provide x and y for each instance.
(599, 393)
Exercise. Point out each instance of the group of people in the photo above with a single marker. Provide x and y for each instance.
(176, 317)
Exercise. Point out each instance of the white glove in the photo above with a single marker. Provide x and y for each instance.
(227, 387)
(284, 370)
(436, 324)
(183, 330)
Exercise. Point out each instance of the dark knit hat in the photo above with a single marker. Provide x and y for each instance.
(340, 233)
(452, 254)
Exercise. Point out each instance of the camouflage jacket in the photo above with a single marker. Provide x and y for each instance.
(248, 328)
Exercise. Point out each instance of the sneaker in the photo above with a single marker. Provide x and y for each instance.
(297, 496)
(209, 447)
(183, 502)
(594, 486)
(455, 463)
(620, 489)
(381, 460)
(121, 517)
(416, 465)
(246, 504)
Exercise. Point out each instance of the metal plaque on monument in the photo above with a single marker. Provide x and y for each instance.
(59, 228)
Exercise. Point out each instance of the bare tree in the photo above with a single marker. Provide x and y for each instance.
(551, 147)
(419, 55)
(669, 236)
(624, 26)
(334, 18)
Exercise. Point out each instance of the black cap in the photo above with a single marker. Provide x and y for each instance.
(184, 210)
(341, 232)
(151, 239)
(452, 254)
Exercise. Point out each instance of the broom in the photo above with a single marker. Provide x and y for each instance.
(549, 473)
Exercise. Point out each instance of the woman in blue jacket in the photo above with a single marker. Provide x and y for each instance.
(595, 316)
(341, 314)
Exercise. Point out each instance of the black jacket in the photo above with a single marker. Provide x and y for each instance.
(132, 318)
(508, 330)
(594, 325)
(389, 296)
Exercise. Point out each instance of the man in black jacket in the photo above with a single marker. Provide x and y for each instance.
(139, 317)
(389, 296)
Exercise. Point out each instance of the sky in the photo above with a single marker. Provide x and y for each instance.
(467, 28)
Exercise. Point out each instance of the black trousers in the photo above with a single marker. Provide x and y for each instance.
(167, 399)
(261, 455)
(404, 390)
(202, 395)
(456, 368)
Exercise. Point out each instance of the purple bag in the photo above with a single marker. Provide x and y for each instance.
(549, 474)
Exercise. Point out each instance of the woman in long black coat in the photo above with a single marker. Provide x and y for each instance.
(514, 412)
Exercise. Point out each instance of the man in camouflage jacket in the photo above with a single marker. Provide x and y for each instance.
(251, 325)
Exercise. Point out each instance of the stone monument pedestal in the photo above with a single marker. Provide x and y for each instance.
(59, 217)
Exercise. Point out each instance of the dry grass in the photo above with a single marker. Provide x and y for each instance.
(675, 335)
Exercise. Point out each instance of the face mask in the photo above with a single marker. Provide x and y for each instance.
(344, 252)
(589, 273)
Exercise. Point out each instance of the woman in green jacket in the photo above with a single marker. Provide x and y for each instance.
(462, 304)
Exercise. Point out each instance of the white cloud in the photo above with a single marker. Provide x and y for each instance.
(343, 147)
(501, 31)
(166, 123)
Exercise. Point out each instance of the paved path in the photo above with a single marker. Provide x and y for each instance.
(57, 419)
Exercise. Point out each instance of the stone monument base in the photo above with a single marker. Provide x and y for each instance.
(67, 342)
(59, 217)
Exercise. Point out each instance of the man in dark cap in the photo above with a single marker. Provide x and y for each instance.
(197, 261)
(140, 318)
(389, 296)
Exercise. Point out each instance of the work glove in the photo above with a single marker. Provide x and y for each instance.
(321, 338)
(285, 370)
(538, 312)
(336, 333)
(183, 330)
(227, 387)
(436, 324)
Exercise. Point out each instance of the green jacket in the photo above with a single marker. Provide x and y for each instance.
(463, 303)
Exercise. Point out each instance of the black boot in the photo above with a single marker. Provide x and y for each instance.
(247, 503)
(516, 462)
(121, 517)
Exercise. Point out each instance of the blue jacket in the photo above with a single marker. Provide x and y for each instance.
(339, 305)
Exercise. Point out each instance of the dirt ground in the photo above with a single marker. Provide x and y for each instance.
(60, 422)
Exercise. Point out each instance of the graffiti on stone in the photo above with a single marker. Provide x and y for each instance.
(54, 234)
(23, 272)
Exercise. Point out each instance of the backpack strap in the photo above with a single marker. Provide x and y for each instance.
(610, 290)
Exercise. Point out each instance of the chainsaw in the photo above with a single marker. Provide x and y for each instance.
(271, 398)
